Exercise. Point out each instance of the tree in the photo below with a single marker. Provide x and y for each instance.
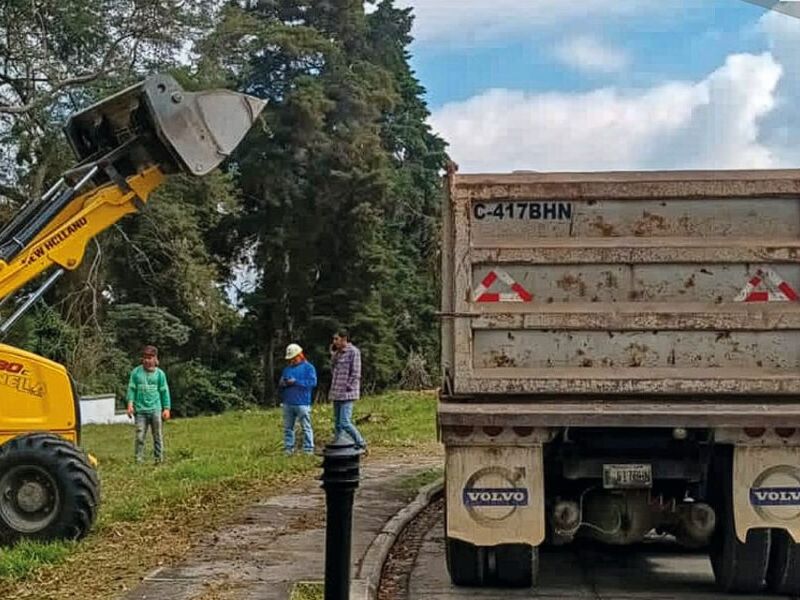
(57, 55)
(341, 193)
(151, 277)
(335, 200)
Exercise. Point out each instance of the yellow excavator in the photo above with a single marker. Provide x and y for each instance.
(126, 145)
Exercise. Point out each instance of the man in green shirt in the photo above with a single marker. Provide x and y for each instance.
(149, 402)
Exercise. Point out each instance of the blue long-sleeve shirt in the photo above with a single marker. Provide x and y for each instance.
(305, 380)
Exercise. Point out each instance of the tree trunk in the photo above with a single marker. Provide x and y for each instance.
(268, 361)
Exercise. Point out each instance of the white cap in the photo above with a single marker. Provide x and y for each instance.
(292, 350)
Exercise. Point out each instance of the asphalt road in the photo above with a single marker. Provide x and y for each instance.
(653, 571)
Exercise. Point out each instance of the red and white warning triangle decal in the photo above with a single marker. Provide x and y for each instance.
(518, 293)
(777, 289)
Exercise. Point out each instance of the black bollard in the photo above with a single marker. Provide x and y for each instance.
(339, 480)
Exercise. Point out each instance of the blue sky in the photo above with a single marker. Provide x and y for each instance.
(599, 84)
(685, 44)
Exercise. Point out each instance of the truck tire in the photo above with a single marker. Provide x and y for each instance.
(783, 575)
(738, 568)
(515, 565)
(48, 489)
(465, 563)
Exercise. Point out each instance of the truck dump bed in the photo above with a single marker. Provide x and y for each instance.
(620, 295)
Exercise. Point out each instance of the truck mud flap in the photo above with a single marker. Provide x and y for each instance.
(766, 489)
(495, 495)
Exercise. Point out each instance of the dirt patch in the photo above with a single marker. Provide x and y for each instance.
(649, 224)
(637, 354)
(500, 360)
(571, 282)
(605, 229)
(219, 590)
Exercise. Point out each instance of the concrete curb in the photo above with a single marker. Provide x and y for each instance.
(365, 585)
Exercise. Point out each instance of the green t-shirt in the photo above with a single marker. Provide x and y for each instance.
(148, 390)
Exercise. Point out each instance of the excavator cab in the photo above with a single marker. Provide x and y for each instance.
(126, 146)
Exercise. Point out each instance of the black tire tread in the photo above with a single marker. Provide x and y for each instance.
(739, 568)
(516, 565)
(76, 478)
(783, 575)
(464, 563)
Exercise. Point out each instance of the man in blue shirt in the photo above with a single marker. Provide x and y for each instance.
(298, 380)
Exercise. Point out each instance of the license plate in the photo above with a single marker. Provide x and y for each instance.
(627, 476)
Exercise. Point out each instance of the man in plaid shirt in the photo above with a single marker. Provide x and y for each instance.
(345, 386)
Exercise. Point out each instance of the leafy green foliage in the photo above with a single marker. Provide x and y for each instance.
(137, 325)
(341, 191)
(197, 389)
(332, 200)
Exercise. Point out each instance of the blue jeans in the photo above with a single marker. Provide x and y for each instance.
(290, 416)
(343, 422)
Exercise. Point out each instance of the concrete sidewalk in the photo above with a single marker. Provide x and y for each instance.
(281, 540)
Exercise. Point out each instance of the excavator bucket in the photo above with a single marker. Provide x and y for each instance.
(157, 122)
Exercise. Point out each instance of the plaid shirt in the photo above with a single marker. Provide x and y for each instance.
(346, 383)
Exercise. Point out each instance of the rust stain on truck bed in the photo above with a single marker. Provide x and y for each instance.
(641, 278)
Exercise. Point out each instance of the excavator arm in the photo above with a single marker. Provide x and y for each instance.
(127, 145)
(63, 241)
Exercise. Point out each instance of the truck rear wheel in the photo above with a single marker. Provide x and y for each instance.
(515, 565)
(465, 563)
(738, 568)
(783, 575)
(48, 489)
(507, 565)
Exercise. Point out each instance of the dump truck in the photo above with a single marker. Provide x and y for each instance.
(621, 359)
(126, 146)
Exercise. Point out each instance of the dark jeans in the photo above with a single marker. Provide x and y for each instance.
(152, 421)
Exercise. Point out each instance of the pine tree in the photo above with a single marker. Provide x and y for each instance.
(342, 191)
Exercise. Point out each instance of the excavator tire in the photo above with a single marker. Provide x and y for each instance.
(48, 489)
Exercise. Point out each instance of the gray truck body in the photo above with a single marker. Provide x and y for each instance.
(621, 355)
(635, 281)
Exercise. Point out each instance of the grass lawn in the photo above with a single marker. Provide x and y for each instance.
(151, 515)
(308, 591)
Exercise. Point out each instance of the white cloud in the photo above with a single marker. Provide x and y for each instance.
(587, 53)
(712, 123)
(465, 22)
(781, 129)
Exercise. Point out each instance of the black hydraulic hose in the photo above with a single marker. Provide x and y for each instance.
(35, 216)
(25, 213)
(38, 221)
(30, 301)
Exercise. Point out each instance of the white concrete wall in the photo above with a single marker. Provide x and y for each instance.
(101, 409)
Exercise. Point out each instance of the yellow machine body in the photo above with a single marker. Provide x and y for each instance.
(37, 396)
(126, 145)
